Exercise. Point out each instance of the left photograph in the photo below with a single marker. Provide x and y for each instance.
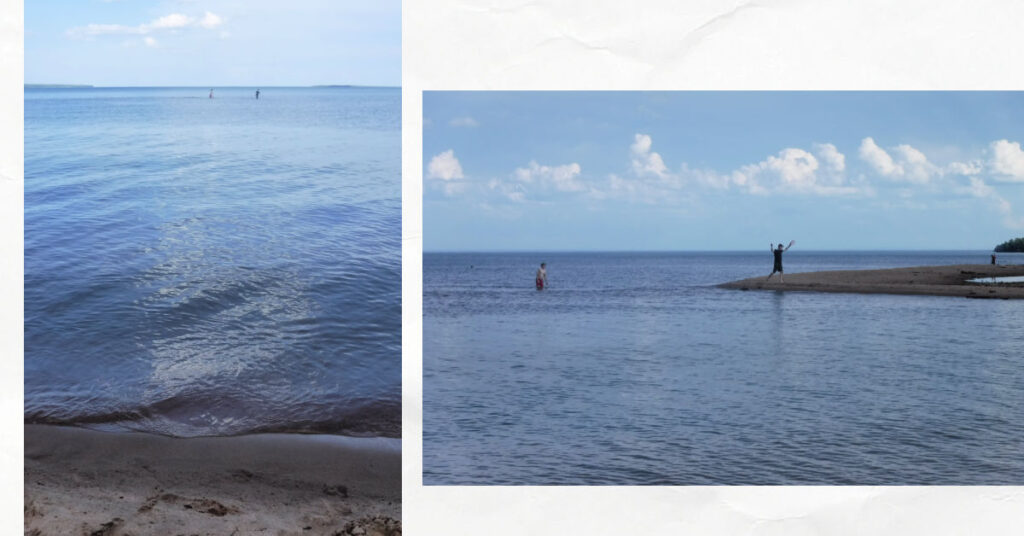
(212, 267)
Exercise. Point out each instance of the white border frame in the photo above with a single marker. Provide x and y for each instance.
(669, 45)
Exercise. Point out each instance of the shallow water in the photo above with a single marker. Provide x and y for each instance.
(990, 280)
(200, 266)
(635, 369)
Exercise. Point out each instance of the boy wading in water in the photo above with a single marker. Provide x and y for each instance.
(542, 276)
(777, 267)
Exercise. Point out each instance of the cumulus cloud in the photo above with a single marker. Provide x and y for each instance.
(909, 165)
(979, 189)
(463, 122)
(835, 161)
(646, 162)
(174, 21)
(514, 192)
(973, 167)
(1007, 160)
(210, 21)
(871, 153)
(562, 178)
(792, 170)
(444, 167)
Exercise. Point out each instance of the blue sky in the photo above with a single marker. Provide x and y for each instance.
(721, 170)
(213, 42)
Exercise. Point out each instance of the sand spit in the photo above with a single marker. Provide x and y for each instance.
(925, 280)
(109, 484)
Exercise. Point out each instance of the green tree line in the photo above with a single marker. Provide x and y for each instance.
(1016, 244)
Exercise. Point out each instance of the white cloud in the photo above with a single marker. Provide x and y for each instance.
(795, 167)
(915, 165)
(174, 21)
(871, 153)
(444, 166)
(974, 167)
(150, 42)
(514, 192)
(562, 178)
(793, 170)
(463, 122)
(646, 162)
(834, 160)
(1007, 160)
(979, 189)
(909, 165)
(210, 21)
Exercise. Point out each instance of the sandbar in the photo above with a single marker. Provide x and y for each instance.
(80, 481)
(948, 280)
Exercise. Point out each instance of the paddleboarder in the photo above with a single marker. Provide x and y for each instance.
(542, 276)
(777, 267)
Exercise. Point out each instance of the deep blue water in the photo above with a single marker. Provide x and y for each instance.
(634, 369)
(199, 266)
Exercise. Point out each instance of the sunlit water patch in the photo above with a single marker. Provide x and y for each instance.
(200, 266)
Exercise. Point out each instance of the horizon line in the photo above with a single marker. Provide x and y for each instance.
(92, 86)
(710, 250)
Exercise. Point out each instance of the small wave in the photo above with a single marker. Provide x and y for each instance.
(183, 417)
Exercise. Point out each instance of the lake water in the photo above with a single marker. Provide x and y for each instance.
(633, 368)
(199, 266)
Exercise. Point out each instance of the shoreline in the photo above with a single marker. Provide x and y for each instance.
(948, 280)
(80, 481)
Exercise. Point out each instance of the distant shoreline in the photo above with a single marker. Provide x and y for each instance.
(918, 280)
(88, 86)
(804, 251)
(57, 86)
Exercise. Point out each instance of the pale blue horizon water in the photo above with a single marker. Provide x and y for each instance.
(199, 266)
(635, 369)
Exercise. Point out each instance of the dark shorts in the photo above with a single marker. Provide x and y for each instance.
(777, 267)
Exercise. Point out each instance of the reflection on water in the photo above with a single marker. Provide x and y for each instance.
(1007, 279)
(198, 267)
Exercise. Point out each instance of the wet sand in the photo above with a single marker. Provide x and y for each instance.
(95, 483)
(923, 280)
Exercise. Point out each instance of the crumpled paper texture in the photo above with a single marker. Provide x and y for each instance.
(706, 45)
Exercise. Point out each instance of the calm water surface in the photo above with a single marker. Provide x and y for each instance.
(635, 369)
(200, 266)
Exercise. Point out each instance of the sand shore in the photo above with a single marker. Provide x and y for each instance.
(926, 280)
(94, 483)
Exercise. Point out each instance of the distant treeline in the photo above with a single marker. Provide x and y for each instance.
(55, 86)
(1015, 245)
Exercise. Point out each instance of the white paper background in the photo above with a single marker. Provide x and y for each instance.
(11, 271)
(473, 44)
(672, 45)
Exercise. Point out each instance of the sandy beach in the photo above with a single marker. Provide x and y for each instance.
(92, 483)
(923, 280)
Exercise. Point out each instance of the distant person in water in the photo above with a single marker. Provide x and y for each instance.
(993, 258)
(211, 93)
(777, 267)
(257, 94)
(542, 276)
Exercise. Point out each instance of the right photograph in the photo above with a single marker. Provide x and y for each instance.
(723, 288)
